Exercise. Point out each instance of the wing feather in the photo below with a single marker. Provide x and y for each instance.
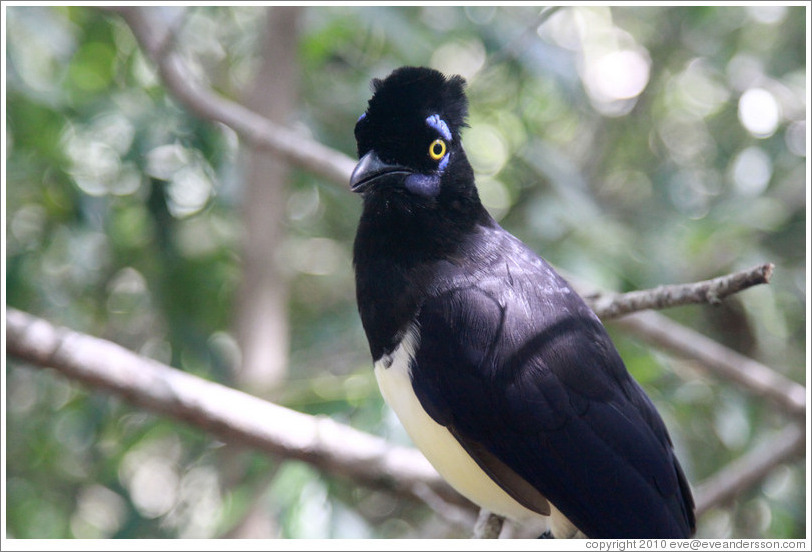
(523, 374)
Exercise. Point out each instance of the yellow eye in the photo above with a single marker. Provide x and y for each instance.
(437, 149)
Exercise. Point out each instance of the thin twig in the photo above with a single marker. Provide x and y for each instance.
(231, 415)
(749, 469)
(711, 356)
(488, 525)
(202, 101)
(612, 305)
(718, 360)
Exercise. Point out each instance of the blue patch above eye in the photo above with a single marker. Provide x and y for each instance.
(361, 118)
(435, 122)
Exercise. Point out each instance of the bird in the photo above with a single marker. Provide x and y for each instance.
(498, 370)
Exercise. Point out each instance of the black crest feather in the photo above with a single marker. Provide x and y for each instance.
(421, 91)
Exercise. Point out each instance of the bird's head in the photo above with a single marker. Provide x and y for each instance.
(409, 141)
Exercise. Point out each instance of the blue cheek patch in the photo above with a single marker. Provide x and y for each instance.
(435, 122)
(426, 185)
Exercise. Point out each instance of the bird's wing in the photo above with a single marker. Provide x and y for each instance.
(525, 376)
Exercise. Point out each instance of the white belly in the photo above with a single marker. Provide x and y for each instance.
(436, 442)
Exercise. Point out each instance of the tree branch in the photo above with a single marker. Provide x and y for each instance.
(156, 41)
(231, 415)
(718, 360)
(452, 513)
(518, 45)
(612, 305)
(749, 469)
(234, 416)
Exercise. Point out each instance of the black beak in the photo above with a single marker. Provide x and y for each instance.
(370, 169)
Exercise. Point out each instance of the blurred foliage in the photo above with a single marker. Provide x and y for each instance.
(632, 147)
